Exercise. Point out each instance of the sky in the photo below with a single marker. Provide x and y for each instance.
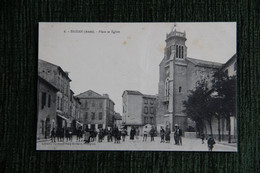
(109, 58)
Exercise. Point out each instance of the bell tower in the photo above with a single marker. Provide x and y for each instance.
(175, 43)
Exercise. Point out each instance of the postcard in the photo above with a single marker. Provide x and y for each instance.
(137, 87)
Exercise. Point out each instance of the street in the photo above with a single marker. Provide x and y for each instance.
(137, 145)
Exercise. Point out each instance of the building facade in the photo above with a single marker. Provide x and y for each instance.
(67, 107)
(178, 75)
(138, 109)
(97, 111)
(46, 119)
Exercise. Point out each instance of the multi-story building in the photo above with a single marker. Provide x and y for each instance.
(178, 75)
(46, 119)
(138, 109)
(57, 77)
(97, 110)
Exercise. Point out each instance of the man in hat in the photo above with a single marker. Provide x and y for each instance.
(177, 135)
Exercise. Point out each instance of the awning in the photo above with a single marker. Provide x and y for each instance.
(63, 118)
(79, 123)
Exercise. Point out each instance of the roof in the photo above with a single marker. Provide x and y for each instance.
(204, 63)
(58, 67)
(90, 94)
(117, 116)
(47, 83)
(150, 96)
(132, 92)
(230, 61)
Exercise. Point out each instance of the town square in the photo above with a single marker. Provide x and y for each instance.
(137, 88)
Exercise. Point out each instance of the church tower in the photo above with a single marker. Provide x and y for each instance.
(173, 80)
(175, 42)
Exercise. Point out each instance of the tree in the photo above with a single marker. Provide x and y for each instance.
(198, 106)
(225, 88)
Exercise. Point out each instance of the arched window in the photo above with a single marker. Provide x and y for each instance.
(182, 52)
(177, 51)
(167, 87)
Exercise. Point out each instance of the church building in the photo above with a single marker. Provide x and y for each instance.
(178, 74)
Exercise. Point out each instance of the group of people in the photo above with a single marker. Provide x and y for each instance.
(116, 134)
(60, 134)
(165, 135)
(113, 134)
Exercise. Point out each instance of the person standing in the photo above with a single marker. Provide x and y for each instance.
(162, 133)
(116, 133)
(53, 135)
(109, 135)
(177, 135)
(168, 135)
(132, 133)
(145, 133)
(124, 133)
(137, 133)
(202, 136)
(211, 142)
(152, 133)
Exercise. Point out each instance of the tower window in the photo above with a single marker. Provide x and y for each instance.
(177, 51)
(179, 89)
(182, 52)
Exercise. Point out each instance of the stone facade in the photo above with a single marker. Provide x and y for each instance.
(178, 75)
(67, 106)
(46, 119)
(97, 110)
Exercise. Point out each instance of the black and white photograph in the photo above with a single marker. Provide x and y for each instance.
(137, 87)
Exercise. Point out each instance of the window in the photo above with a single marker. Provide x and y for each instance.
(151, 102)
(167, 87)
(151, 120)
(151, 110)
(93, 115)
(179, 89)
(182, 52)
(100, 116)
(145, 101)
(177, 51)
(49, 101)
(145, 120)
(43, 99)
(146, 110)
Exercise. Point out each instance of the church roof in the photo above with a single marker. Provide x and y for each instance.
(204, 63)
